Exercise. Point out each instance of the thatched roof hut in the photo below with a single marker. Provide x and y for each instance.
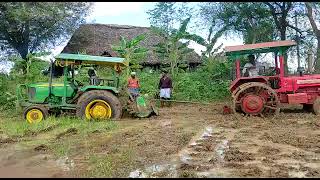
(96, 39)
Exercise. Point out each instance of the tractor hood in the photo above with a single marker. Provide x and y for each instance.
(45, 85)
(39, 92)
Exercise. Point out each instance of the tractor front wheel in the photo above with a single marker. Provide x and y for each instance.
(99, 104)
(35, 113)
(256, 99)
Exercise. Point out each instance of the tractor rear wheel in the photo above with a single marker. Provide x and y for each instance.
(256, 99)
(316, 106)
(35, 113)
(99, 104)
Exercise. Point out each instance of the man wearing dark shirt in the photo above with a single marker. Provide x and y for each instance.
(165, 86)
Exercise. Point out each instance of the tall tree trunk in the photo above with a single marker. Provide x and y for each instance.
(23, 51)
(317, 59)
(316, 32)
(283, 34)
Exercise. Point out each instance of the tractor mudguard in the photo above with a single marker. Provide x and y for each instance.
(91, 87)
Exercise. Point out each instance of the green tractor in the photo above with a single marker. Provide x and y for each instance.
(100, 99)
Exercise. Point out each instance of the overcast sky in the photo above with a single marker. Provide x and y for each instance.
(134, 13)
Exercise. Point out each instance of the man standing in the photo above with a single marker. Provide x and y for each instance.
(249, 69)
(165, 86)
(133, 85)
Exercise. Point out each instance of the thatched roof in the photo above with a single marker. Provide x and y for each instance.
(96, 39)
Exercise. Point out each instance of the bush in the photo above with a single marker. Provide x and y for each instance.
(208, 83)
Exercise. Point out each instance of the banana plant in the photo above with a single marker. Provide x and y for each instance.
(171, 48)
(131, 50)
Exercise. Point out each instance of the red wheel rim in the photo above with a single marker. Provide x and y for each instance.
(252, 104)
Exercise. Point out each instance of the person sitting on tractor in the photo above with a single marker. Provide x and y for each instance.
(93, 77)
(133, 85)
(249, 69)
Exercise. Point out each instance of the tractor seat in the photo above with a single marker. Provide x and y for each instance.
(94, 80)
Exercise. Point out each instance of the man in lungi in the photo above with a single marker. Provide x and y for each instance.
(165, 86)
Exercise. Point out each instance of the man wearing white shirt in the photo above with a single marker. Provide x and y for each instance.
(249, 69)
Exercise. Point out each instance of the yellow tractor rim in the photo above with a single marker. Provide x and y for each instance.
(34, 116)
(98, 109)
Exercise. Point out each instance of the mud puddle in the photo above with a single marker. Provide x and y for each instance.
(203, 152)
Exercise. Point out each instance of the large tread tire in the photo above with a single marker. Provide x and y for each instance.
(89, 96)
(246, 86)
(43, 109)
(316, 106)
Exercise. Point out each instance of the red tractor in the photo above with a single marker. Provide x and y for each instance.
(262, 95)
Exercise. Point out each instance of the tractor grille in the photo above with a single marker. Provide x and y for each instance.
(31, 92)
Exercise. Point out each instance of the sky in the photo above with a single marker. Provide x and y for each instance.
(134, 13)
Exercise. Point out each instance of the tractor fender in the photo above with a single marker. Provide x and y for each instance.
(113, 90)
(238, 83)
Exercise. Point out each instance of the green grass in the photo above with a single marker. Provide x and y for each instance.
(111, 165)
(48, 131)
(16, 127)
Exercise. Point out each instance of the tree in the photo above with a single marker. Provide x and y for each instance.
(280, 12)
(162, 16)
(311, 7)
(28, 26)
(166, 15)
(131, 50)
(252, 20)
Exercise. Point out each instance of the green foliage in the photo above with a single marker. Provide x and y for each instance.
(15, 127)
(162, 15)
(171, 48)
(252, 20)
(208, 83)
(111, 164)
(6, 95)
(166, 15)
(26, 27)
(33, 67)
(131, 50)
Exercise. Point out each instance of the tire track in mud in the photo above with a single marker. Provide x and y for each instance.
(238, 152)
(202, 157)
(205, 155)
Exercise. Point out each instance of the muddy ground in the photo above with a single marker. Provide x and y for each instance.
(184, 141)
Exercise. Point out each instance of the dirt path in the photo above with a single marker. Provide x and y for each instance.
(32, 161)
(184, 141)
